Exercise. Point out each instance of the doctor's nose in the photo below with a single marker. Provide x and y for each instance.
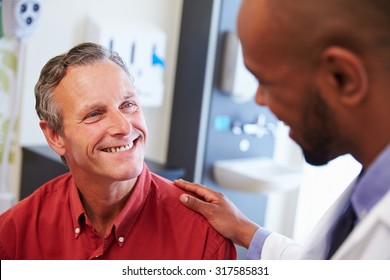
(260, 96)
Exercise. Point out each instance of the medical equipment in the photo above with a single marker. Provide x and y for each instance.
(20, 19)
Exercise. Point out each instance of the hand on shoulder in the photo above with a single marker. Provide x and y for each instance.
(220, 212)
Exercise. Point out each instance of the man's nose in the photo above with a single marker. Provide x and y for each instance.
(120, 124)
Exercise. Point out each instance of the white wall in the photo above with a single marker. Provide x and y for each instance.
(62, 26)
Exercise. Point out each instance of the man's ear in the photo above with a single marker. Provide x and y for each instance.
(55, 140)
(344, 73)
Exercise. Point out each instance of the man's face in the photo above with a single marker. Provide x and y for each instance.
(287, 84)
(104, 128)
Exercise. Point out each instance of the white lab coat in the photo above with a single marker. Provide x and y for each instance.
(370, 239)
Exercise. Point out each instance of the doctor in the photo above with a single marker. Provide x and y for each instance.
(323, 69)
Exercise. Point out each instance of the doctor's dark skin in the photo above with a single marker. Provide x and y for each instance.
(327, 79)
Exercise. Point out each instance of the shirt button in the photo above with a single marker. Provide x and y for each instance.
(121, 239)
(77, 230)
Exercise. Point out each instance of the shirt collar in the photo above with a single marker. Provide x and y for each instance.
(126, 218)
(373, 184)
(130, 212)
(76, 208)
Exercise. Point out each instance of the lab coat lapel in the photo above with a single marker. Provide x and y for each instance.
(316, 246)
(371, 237)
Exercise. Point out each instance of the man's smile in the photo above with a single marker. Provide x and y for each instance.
(119, 148)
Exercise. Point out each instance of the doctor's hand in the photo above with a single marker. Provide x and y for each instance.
(219, 211)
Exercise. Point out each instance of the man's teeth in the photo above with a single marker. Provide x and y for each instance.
(119, 149)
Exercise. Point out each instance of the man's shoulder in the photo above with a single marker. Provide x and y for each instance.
(58, 185)
(167, 195)
(53, 189)
(33, 217)
(166, 199)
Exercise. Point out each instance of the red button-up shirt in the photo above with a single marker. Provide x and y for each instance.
(52, 224)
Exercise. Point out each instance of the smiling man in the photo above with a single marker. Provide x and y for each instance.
(109, 206)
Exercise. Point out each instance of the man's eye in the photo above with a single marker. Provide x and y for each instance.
(93, 115)
(130, 105)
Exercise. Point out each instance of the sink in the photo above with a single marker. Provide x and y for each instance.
(256, 175)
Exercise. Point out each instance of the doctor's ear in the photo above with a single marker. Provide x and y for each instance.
(344, 73)
(53, 138)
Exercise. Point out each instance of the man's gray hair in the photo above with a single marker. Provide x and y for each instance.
(55, 70)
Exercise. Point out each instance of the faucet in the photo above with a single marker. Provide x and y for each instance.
(259, 129)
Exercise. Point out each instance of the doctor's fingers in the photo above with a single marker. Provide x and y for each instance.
(197, 205)
(198, 190)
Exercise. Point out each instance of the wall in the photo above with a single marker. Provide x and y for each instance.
(62, 26)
